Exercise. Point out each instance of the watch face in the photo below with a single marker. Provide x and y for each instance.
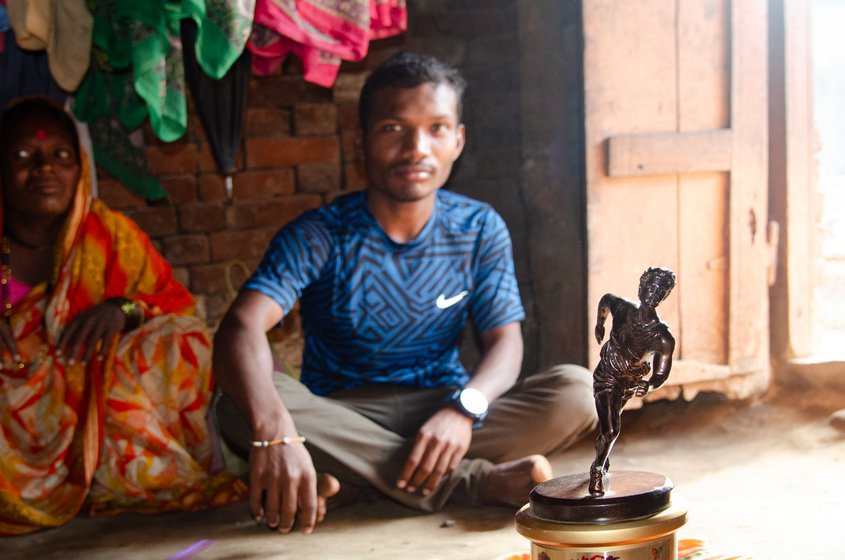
(473, 401)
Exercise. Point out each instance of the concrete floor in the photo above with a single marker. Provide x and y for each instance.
(762, 478)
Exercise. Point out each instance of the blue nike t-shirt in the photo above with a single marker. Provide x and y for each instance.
(376, 311)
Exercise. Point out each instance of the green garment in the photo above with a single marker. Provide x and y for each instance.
(137, 69)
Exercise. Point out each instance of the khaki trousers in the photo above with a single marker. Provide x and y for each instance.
(363, 436)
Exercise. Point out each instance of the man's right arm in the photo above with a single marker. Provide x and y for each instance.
(243, 367)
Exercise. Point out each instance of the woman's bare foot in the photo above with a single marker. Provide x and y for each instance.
(327, 487)
(509, 484)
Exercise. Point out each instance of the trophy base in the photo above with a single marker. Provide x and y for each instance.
(634, 519)
(628, 495)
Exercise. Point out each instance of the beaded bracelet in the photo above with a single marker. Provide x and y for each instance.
(284, 441)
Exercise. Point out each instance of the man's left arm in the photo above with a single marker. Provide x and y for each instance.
(444, 439)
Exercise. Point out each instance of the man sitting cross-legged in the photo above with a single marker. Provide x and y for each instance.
(387, 279)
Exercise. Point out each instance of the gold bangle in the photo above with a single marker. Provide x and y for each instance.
(284, 441)
(132, 312)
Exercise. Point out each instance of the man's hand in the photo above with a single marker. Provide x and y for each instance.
(285, 475)
(440, 445)
(91, 331)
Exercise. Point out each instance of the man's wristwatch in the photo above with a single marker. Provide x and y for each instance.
(471, 403)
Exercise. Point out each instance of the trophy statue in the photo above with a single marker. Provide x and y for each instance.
(603, 514)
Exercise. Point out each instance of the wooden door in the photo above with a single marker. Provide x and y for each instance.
(676, 166)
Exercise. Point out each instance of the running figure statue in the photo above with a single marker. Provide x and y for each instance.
(637, 332)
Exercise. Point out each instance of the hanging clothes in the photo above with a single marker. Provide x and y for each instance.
(62, 28)
(321, 33)
(137, 72)
(25, 73)
(220, 103)
(139, 44)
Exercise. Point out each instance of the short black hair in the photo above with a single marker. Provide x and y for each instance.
(23, 108)
(409, 70)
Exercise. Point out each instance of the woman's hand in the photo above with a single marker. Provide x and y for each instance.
(7, 342)
(92, 331)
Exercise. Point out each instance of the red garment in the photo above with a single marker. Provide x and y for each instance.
(321, 33)
(127, 432)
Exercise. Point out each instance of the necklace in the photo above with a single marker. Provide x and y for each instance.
(5, 286)
(6, 277)
(27, 245)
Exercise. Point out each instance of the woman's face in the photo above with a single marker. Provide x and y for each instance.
(40, 169)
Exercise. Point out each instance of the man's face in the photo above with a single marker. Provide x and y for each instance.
(412, 139)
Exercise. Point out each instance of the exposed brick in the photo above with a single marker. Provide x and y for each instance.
(211, 188)
(182, 275)
(156, 221)
(318, 177)
(315, 119)
(278, 152)
(186, 249)
(182, 190)
(216, 305)
(269, 213)
(331, 195)
(285, 91)
(248, 244)
(211, 278)
(207, 163)
(347, 87)
(347, 116)
(264, 184)
(354, 176)
(202, 217)
(352, 145)
(267, 121)
(176, 158)
(469, 23)
(116, 195)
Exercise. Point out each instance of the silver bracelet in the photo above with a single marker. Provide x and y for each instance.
(283, 440)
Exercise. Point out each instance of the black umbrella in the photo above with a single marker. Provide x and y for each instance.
(221, 104)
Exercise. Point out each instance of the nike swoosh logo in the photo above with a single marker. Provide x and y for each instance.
(443, 302)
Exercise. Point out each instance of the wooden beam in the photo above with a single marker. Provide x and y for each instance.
(671, 152)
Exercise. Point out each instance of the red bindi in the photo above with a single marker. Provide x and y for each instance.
(41, 134)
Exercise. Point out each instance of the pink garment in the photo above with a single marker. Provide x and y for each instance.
(321, 33)
(17, 291)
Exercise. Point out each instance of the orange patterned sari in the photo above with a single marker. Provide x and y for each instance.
(124, 433)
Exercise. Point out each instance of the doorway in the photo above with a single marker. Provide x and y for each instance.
(828, 49)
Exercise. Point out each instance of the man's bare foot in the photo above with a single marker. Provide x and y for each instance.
(327, 487)
(509, 484)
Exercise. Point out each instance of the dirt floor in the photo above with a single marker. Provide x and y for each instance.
(763, 478)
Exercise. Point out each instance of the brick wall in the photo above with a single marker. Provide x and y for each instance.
(301, 149)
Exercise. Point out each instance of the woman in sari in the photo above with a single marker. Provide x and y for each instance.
(105, 371)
